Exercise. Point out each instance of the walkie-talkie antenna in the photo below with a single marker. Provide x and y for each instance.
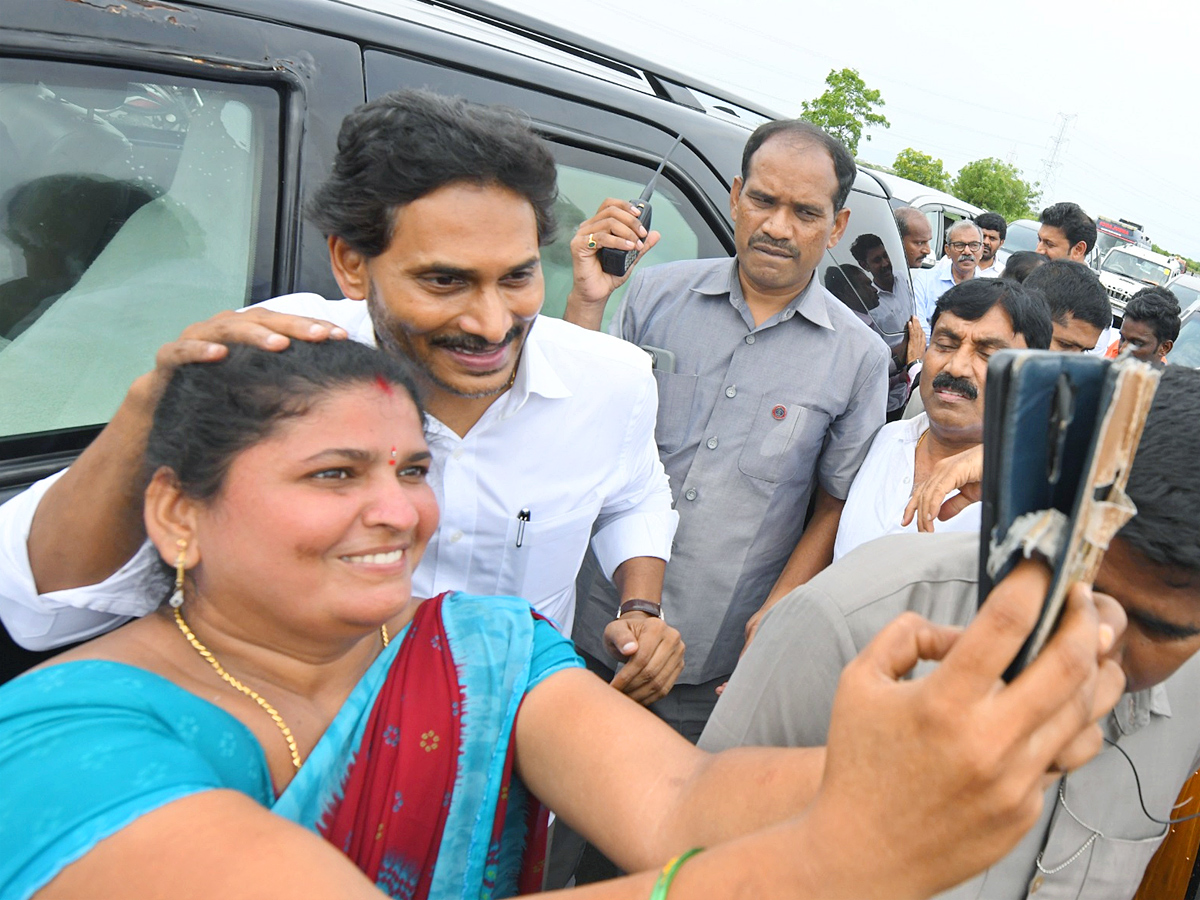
(617, 262)
(648, 191)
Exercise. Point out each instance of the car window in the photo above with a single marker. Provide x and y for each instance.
(1186, 294)
(585, 179)
(131, 205)
(857, 268)
(1186, 351)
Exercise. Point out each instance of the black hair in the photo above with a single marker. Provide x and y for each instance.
(1071, 288)
(806, 132)
(210, 412)
(1164, 481)
(972, 299)
(1020, 264)
(904, 216)
(1158, 308)
(1073, 222)
(863, 245)
(406, 144)
(990, 221)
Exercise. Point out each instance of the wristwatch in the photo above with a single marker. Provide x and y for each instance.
(649, 607)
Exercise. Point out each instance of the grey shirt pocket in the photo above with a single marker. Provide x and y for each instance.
(782, 440)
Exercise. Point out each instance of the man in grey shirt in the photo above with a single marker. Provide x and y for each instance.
(1094, 838)
(769, 392)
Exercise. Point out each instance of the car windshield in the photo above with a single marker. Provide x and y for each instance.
(1020, 237)
(1186, 351)
(1186, 294)
(1118, 262)
(1105, 242)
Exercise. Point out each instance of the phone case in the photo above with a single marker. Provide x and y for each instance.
(1060, 431)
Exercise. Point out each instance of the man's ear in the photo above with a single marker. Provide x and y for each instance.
(735, 194)
(1078, 253)
(839, 226)
(170, 517)
(349, 268)
(1165, 347)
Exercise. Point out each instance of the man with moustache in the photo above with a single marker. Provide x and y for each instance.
(971, 321)
(963, 245)
(542, 433)
(770, 394)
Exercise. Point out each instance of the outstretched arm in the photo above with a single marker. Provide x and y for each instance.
(944, 774)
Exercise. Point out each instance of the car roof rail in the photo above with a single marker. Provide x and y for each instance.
(664, 82)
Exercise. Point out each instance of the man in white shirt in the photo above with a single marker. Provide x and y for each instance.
(970, 322)
(963, 245)
(994, 230)
(542, 432)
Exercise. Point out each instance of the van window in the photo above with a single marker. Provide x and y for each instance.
(585, 179)
(131, 205)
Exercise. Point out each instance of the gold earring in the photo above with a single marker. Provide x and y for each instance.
(176, 600)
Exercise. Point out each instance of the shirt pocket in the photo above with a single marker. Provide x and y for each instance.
(550, 553)
(1085, 865)
(676, 396)
(782, 439)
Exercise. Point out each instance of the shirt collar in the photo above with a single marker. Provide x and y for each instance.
(810, 302)
(535, 375)
(1133, 711)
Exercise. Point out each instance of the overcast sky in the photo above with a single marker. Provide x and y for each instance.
(963, 82)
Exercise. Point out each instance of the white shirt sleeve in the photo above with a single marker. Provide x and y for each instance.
(638, 519)
(44, 621)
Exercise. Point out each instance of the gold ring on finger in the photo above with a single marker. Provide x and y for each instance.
(591, 244)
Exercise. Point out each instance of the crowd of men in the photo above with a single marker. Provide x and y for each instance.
(657, 515)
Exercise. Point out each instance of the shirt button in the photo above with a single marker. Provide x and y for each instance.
(456, 537)
(712, 443)
(749, 339)
(731, 391)
(787, 315)
(458, 452)
(690, 493)
(1036, 884)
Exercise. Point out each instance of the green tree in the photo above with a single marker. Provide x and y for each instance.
(846, 108)
(997, 186)
(921, 168)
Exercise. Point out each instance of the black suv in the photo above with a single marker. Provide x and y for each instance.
(156, 158)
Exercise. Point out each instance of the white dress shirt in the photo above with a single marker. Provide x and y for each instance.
(571, 443)
(882, 487)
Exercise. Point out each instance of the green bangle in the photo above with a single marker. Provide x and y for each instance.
(668, 873)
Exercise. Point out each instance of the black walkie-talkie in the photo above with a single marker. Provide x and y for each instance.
(617, 262)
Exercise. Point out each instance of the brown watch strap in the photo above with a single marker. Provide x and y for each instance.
(649, 607)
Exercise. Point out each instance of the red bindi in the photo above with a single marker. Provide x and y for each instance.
(392, 461)
(384, 385)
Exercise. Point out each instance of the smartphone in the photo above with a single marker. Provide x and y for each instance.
(1059, 434)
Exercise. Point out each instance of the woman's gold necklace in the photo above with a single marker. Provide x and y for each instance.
(250, 692)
